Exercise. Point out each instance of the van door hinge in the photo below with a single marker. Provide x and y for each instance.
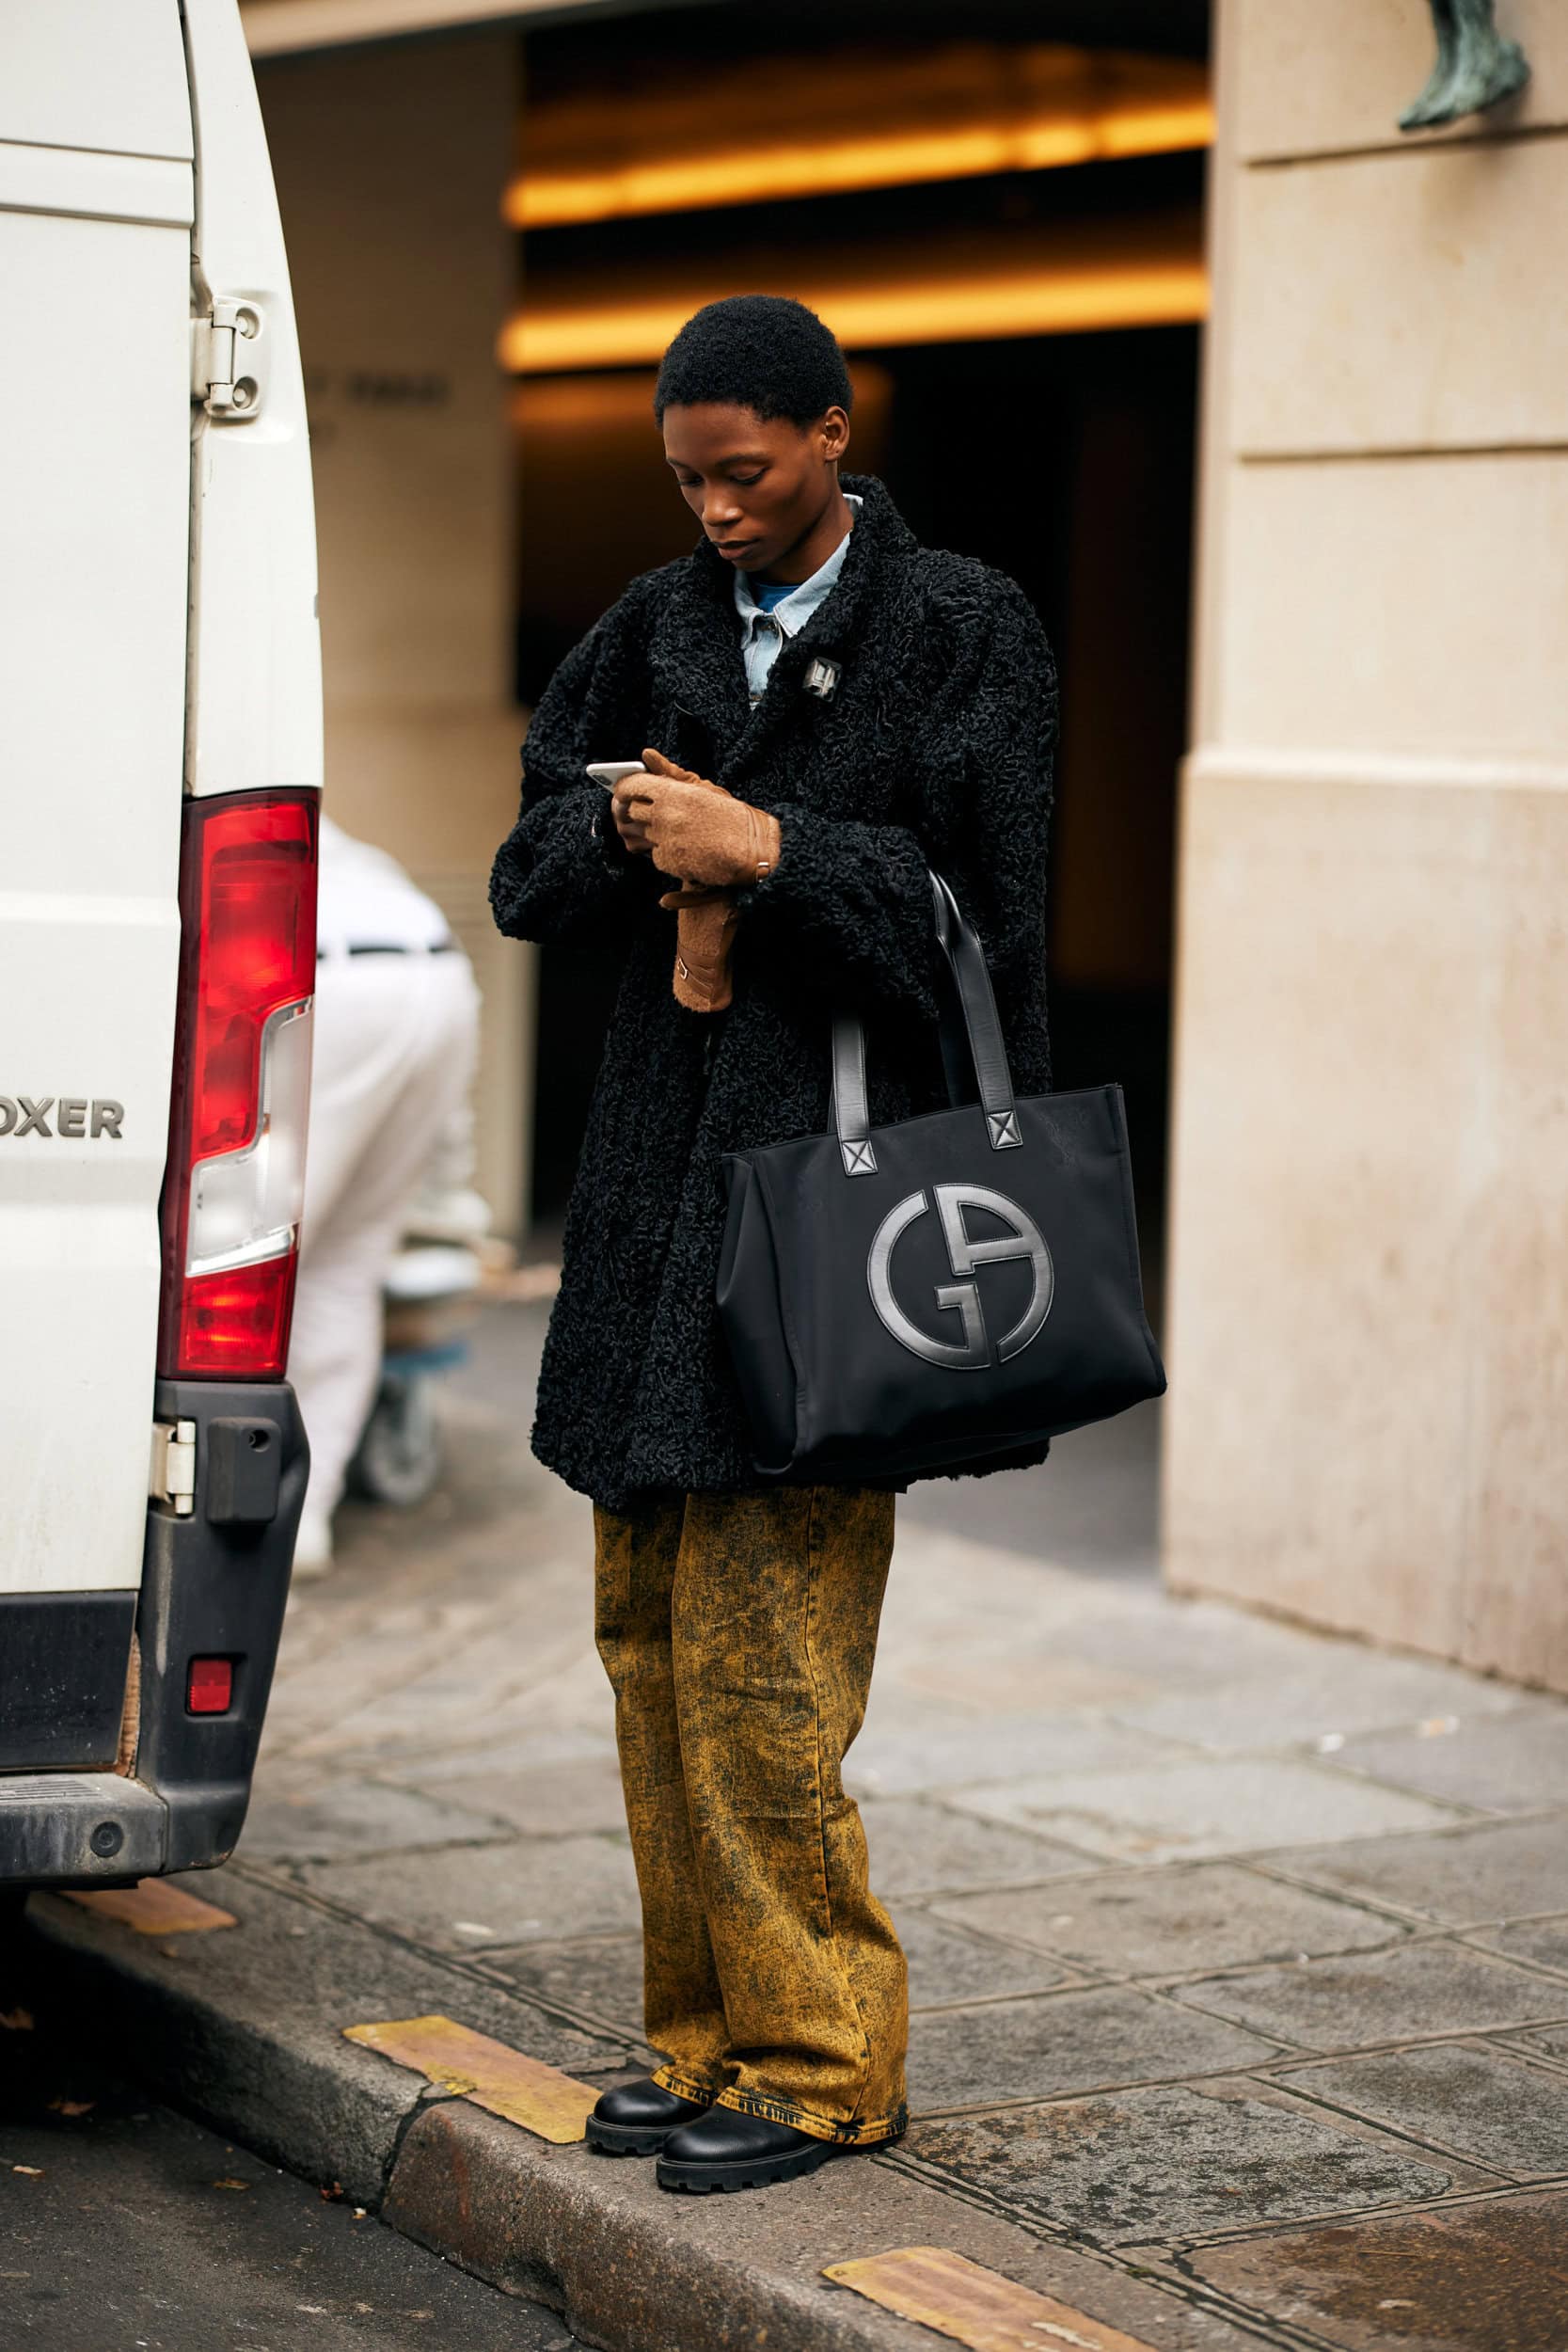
(227, 352)
(172, 1477)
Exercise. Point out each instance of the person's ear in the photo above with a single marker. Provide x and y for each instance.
(835, 430)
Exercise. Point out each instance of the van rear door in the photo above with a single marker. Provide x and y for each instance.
(96, 207)
(160, 741)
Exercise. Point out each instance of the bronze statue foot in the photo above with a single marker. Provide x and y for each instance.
(1475, 67)
(1427, 107)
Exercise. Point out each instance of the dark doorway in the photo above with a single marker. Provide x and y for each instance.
(1068, 462)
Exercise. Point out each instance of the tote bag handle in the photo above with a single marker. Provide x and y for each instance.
(981, 1034)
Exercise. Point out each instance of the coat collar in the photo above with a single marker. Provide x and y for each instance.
(695, 653)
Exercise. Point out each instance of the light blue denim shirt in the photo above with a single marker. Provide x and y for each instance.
(762, 634)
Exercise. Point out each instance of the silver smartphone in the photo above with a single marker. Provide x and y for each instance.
(609, 772)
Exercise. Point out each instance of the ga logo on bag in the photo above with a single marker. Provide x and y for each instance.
(1023, 1240)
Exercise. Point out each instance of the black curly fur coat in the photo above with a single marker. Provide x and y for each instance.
(934, 748)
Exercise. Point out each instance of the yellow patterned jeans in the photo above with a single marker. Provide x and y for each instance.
(739, 1632)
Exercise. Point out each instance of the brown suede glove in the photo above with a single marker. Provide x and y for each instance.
(698, 831)
(680, 827)
(706, 925)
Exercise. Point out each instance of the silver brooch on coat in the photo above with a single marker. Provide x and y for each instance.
(822, 679)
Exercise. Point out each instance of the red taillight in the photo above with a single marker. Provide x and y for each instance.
(210, 1687)
(235, 1326)
(242, 1082)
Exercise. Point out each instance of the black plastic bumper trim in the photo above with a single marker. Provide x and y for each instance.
(72, 1828)
(215, 1584)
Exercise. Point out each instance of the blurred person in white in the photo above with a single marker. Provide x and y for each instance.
(396, 1035)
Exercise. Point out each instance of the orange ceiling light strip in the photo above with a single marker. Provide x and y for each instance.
(769, 175)
(881, 119)
(1064, 300)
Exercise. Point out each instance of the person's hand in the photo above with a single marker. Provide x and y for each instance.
(696, 829)
(633, 833)
(630, 826)
(629, 823)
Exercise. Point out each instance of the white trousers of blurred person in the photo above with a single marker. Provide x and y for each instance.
(395, 1040)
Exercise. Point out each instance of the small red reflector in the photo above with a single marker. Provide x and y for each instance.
(211, 1687)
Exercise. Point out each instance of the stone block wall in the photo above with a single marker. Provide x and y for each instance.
(1367, 1325)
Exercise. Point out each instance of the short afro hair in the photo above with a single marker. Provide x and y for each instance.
(761, 352)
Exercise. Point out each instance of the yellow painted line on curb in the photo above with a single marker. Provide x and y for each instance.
(519, 2090)
(976, 2306)
(153, 1908)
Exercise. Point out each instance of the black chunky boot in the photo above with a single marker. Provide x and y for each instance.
(724, 2149)
(639, 2118)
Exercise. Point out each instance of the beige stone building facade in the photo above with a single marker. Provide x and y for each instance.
(1365, 1237)
(1367, 1317)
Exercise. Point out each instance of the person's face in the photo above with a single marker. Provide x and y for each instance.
(756, 489)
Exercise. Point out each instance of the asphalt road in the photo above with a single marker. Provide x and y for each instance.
(126, 2228)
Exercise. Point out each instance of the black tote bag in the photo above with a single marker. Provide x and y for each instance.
(942, 1291)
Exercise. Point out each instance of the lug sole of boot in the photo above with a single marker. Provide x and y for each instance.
(706, 2180)
(627, 2139)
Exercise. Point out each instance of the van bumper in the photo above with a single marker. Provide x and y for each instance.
(79, 1829)
(214, 1583)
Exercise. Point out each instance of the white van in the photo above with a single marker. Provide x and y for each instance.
(160, 764)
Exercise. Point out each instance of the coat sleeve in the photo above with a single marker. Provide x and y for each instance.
(561, 871)
(854, 901)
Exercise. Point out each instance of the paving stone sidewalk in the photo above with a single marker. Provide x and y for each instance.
(1239, 1955)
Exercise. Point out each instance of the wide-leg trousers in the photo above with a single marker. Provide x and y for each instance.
(739, 1632)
